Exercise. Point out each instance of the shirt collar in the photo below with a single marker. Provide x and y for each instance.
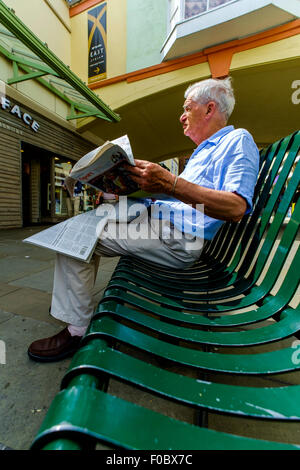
(214, 139)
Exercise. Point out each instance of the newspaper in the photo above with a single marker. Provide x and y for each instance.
(103, 168)
(77, 237)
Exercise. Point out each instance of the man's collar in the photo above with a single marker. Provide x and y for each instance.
(214, 139)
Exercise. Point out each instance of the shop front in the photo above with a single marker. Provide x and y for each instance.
(36, 154)
(41, 100)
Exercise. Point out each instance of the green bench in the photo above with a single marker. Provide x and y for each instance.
(193, 337)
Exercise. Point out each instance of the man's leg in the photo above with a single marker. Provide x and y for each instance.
(69, 207)
(72, 303)
(72, 298)
(76, 205)
(74, 281)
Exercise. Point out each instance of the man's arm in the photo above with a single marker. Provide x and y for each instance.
(223, 205)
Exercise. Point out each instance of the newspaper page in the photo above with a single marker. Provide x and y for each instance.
(110, 154)
(103, 168)
(125, 144)
(75, 237)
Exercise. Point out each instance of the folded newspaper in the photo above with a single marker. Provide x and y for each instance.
(77, 237)
(103, 169)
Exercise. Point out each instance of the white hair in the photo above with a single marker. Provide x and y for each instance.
(218, 90)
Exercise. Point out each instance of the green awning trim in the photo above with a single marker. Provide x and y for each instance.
(39, 62)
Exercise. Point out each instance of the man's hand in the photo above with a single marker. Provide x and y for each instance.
(151, 177)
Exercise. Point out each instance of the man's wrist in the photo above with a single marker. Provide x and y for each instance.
(174, 185)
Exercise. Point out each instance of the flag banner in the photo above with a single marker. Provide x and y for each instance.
(97, 43)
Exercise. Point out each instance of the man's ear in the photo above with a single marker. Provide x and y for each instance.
(211, 106)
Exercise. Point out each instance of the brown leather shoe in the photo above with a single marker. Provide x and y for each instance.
(56, 347)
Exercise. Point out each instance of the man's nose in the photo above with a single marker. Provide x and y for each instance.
(182, 117)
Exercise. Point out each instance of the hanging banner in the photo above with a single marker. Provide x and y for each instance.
(97, 43)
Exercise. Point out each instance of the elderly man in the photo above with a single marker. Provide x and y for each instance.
(220, 176)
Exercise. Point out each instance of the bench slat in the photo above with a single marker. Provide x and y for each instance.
(118, 422)
(174, 319)
(268, 403)
(249, 364)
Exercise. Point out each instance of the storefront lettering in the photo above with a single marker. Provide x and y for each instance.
(3, 125)
(16, 111)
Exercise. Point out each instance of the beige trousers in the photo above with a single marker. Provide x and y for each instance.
(73, 204)
(72, 299)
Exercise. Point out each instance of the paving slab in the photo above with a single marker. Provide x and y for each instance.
(20, 233)
(13, 267)
(13, 249)
(6, 288)
(41, 254)
(26, 387)
(4, 316)
(28, 303)
(43, 280)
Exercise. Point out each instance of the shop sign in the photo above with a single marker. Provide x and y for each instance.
(15, 110)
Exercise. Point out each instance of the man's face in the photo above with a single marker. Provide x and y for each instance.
(192, 120)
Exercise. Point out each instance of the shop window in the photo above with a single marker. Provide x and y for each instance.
(44, 199)
(86, 196)
(62, 169)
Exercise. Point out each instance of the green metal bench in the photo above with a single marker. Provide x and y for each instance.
(179, 335)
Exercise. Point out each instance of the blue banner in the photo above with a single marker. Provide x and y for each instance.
(97, 43)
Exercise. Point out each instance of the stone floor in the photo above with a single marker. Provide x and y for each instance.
(27, 388)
